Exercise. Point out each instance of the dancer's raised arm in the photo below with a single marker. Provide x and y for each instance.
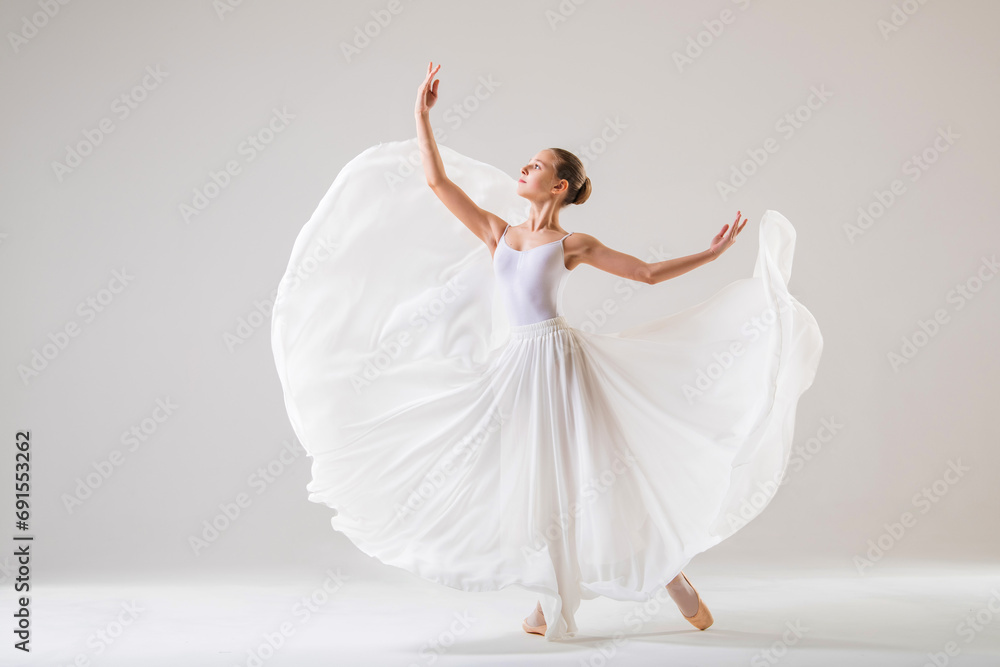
(483, 224)
(426, 98)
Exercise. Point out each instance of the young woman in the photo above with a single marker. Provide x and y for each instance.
(552, 179)
(482, 447)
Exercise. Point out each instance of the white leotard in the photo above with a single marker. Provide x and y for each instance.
(531, 280)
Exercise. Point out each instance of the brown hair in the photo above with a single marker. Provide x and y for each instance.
(570, 167)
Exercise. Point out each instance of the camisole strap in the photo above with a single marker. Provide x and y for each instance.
(504, 233)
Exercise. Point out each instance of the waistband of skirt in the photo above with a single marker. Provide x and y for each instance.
(539, 328)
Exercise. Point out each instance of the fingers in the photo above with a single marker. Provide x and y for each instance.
(431, 71)
(730, 231)
(426, 87)
(738, 227)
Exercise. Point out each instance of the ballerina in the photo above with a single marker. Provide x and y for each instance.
(552, 179)
(482, 443)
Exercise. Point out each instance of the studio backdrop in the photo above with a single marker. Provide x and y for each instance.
(160, 159)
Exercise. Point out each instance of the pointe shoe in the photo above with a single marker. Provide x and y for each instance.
(703, 617)
(534, 629)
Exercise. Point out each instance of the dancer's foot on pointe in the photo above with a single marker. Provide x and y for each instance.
(689, 602)
(536, 620)
(684, 595)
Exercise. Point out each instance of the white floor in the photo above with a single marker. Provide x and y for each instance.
(900, 617)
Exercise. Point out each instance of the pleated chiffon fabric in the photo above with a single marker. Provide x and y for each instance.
(461, 428)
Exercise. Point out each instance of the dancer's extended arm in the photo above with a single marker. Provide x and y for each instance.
(588, 250)
(483, 224)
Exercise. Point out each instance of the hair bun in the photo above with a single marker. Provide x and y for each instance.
(584, 192)
(569, 168)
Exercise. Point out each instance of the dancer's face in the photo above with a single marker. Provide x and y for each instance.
(538, 178)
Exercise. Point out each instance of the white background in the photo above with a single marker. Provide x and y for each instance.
(557, 82)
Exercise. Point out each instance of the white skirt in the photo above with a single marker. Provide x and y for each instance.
(481, 455)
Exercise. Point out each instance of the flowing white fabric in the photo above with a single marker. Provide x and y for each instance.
(480, 452)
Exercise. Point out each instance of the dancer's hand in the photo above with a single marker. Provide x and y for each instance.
(427, 91)
(723, 240)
